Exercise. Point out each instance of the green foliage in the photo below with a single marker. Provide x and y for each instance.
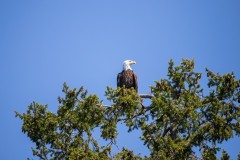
(225, 155)
(181, 116)
(126, 154)
(67, 134)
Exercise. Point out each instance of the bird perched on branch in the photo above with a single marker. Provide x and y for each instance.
(127, 77)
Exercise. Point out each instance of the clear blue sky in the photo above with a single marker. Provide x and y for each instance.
(46, 43)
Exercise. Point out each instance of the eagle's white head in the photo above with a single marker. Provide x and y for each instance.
(127, 64)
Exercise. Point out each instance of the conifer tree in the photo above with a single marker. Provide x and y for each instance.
(181, 116)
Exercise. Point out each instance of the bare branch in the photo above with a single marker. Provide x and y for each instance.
(150, 96)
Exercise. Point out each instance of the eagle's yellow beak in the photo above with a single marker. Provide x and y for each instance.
(133, 62)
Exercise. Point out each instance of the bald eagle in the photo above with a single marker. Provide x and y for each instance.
(127, 77)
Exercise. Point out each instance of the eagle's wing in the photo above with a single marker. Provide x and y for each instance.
(135, 81)
(119, 79)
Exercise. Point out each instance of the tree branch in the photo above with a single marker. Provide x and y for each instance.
(150, 96)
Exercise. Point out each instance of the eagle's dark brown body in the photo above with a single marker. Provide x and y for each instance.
(127, 78)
